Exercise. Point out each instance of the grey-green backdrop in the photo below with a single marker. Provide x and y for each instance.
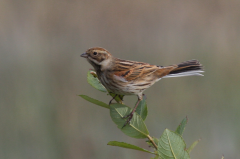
(41, 74)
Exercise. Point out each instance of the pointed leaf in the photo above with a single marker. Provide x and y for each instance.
(94, 101)
(129, 146)
(193, 145)
(142, 108)
(93, 81)
(172, 146)
(136, 128)
(181, 126)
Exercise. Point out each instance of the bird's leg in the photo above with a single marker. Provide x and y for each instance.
(129, 116)
(112, 99)
(121, 97)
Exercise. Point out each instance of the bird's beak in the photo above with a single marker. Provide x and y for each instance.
(84, 55)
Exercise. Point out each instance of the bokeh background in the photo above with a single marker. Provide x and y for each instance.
(41, 74)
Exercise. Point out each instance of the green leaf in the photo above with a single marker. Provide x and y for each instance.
(142, 108)
(172, 146)
(181, 126)
(222, 157)
(128, 146)
(136, 128)
(193, 145)
(93, 81)
(94, 101)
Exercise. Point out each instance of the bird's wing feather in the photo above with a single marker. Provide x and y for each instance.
(130, 70)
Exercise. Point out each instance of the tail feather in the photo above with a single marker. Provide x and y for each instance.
(188, 68)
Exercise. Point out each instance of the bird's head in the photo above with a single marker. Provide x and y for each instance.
(98, 57)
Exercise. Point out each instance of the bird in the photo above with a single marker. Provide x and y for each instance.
(126, 77)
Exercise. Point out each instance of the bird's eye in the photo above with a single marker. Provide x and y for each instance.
(94, 53)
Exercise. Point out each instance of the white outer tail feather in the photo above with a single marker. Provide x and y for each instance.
(189, 73)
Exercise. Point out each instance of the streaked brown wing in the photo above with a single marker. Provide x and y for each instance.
(131, 70)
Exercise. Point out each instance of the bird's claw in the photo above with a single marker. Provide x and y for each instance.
(129, 116)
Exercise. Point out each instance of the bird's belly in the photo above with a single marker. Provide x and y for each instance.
(121, 88)
(125, 87)
(129, 88)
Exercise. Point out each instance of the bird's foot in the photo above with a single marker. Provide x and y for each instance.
(112, 99)
(129, 116)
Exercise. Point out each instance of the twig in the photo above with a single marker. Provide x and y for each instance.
(151, 140)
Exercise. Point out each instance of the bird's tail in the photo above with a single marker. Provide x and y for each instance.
(187, 68)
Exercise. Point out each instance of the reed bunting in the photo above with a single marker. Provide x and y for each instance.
(125, 77)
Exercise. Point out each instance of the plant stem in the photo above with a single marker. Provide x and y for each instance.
(151, 140)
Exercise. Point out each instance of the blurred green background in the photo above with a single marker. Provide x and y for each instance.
(41, 74)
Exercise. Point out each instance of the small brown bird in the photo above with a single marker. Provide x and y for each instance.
(124, 77)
